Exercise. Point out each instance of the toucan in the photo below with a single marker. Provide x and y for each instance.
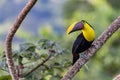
(84, 39)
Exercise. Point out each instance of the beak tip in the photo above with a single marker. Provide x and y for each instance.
(67, 33)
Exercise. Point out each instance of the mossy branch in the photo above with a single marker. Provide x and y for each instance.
(97, 44)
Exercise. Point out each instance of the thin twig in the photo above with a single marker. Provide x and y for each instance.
(42, 63)
(93, 49)
(9, 38)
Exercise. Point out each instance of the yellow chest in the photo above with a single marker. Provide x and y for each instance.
(88, 32)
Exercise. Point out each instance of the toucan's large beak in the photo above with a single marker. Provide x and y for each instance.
(75, 27)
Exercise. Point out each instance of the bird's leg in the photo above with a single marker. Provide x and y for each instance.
(82, 55)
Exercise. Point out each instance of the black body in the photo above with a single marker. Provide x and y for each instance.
(80, 45)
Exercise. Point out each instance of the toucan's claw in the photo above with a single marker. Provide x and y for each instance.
(82, 55)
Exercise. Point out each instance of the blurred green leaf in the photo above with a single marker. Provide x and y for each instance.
(66, 63)
(56, 77)
(45, 44)
(5, 77)
(43, 56)
(27, 47)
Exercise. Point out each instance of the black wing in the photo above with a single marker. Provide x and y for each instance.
(80, 44)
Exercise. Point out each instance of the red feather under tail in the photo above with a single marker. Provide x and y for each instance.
(75, 57)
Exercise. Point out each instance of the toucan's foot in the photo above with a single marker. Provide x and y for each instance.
(82, 55)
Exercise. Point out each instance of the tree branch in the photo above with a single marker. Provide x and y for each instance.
(42, 63)
(12, 31)
(117, 77)
(93, 49)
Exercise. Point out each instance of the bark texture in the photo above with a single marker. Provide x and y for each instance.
(10, 35)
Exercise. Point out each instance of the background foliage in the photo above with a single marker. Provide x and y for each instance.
(44, 30)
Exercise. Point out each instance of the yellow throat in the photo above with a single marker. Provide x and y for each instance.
(88, 32)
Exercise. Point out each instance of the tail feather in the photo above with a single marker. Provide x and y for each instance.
(75, 57)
